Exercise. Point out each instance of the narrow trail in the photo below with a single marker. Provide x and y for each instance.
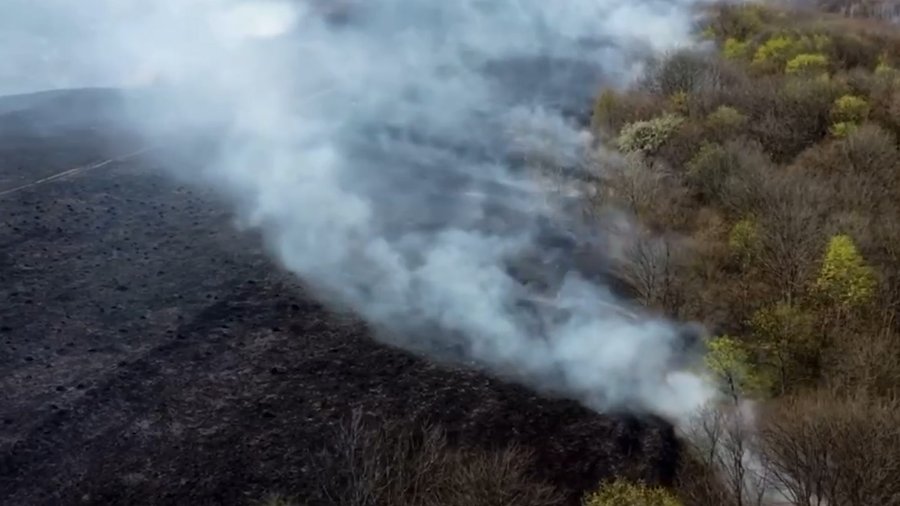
(76, 171)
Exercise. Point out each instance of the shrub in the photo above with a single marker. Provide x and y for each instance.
(775, 52)
(734, 49)
(623, 493)
(884, 68)
(843, 129)
(648, 136)
(850, 108)
(725, 118)
(807, 63)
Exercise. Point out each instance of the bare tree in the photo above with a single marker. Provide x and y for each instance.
(392, 465)
(651, 267)
(835, 451)
(793, 234)
(724, 441)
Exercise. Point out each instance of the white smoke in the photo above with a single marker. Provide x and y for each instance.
(374, 142)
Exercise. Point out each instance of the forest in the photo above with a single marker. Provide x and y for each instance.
(764, 170)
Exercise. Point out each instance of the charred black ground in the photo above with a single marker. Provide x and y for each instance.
(152, 354)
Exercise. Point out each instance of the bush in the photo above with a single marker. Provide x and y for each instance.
(623, 493)
(734, 49)
(850, 109)
(648, 136)
(808, 64)
(843, 129)
(725, 119)
(775, 52)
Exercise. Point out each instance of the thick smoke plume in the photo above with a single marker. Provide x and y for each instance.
(382, 147)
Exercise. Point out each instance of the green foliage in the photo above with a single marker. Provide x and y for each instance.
(728, 359)
(884, 68)
(648, 136)
(807, 63)
(783, 333)
(850, 108)
(709, 169)
(743, 240)
(734, 49)
(843, 129)
(679, 101)
(740, 21)
(781, 321)
(793, 54)
(725, 118)
(775, 52)
(845, 278)
(604, 109)
(623, 493)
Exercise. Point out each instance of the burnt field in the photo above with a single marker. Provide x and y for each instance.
(151, 353)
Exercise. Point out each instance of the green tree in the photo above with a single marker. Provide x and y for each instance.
(850, 108)
(648, 136)
(728, 359)
(734, 49)
(807, 64)
(623, 493)
(845, 279)
(783, 334)
(775, 52)
(744, 241)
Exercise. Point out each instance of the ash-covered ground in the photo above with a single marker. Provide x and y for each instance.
(150, 353)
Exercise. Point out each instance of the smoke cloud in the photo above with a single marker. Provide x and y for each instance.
(382, 148)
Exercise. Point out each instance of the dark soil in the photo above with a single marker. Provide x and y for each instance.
(152, 354)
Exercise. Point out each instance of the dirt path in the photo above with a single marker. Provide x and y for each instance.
(75, 171)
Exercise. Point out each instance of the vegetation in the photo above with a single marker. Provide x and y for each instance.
(623, 493)
(781, 173)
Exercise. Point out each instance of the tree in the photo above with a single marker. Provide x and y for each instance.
(648, 136)
(845, 279)
(728, 359)
(826, 450)
(783, 333)
(792, 218)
